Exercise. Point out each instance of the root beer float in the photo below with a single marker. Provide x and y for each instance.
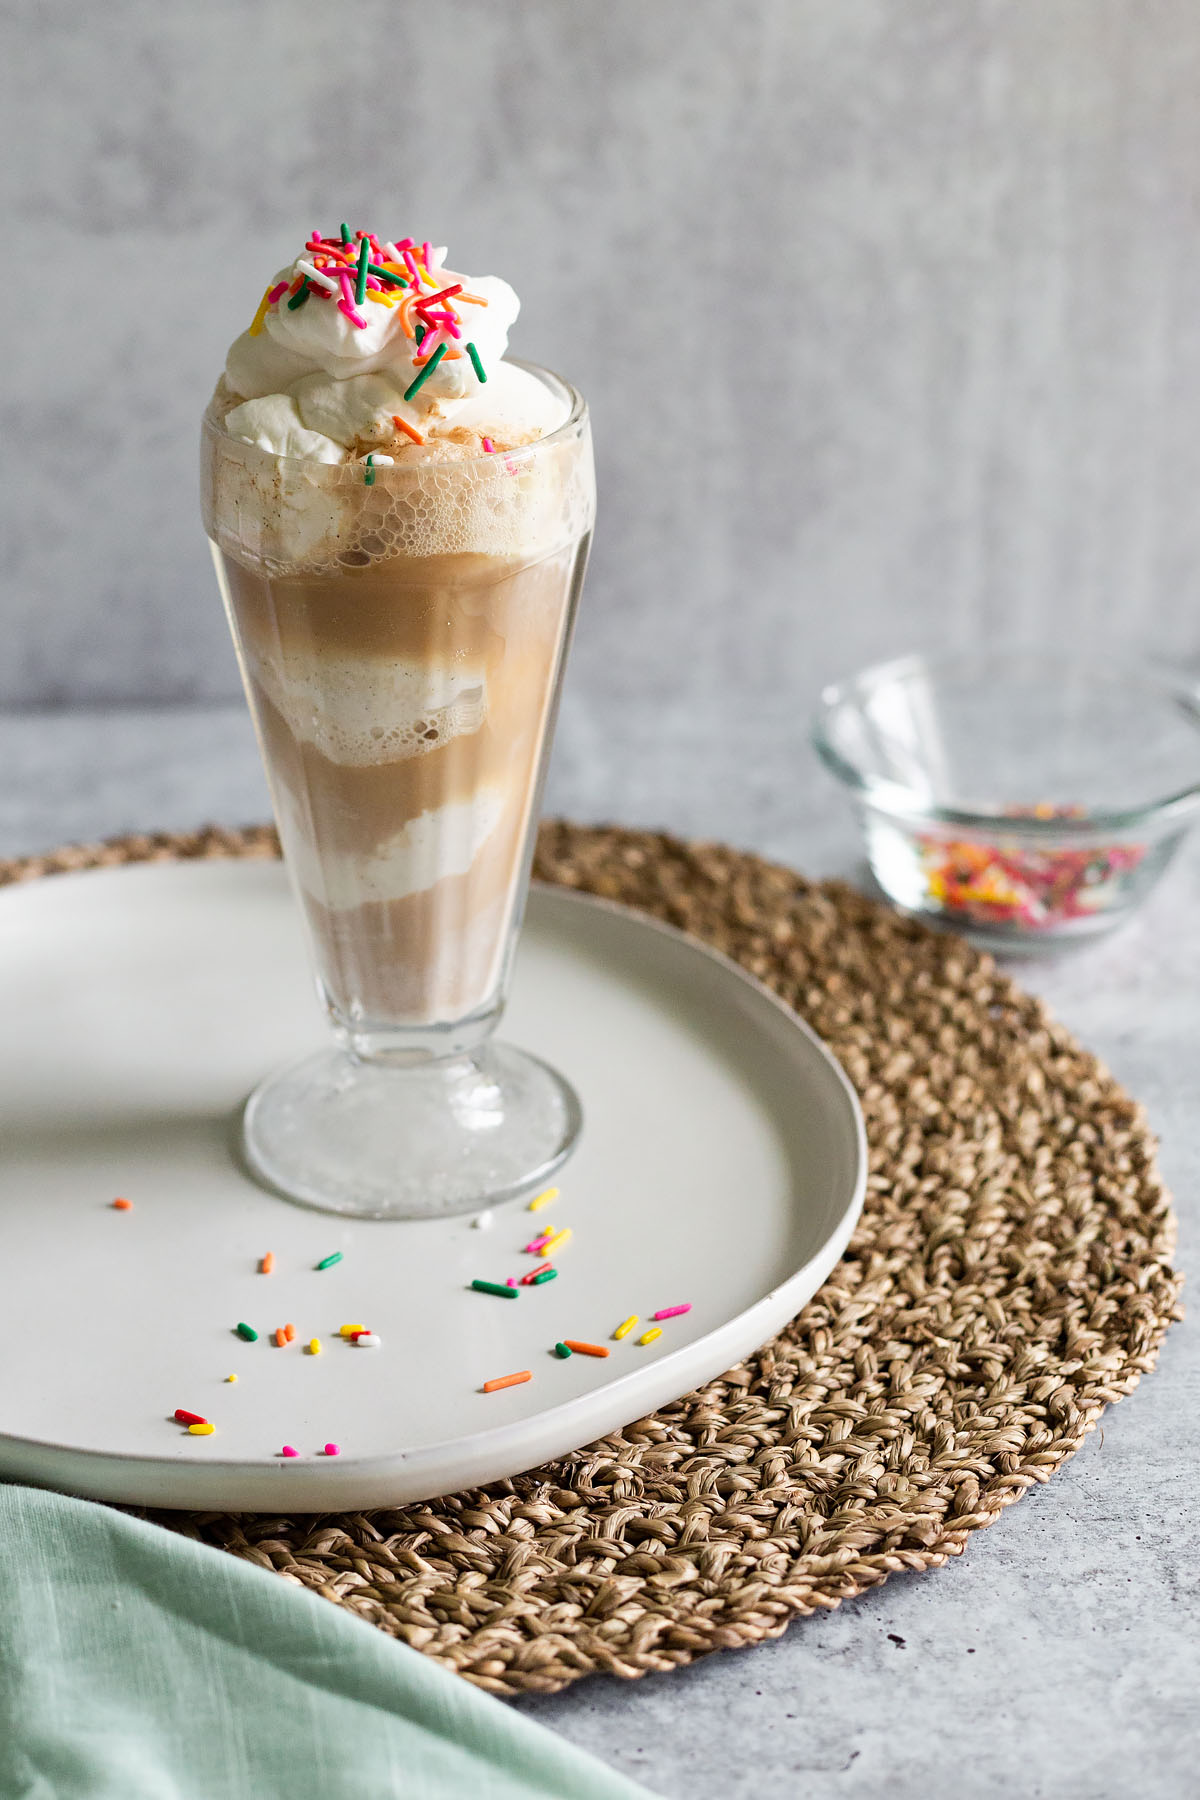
(400, 520)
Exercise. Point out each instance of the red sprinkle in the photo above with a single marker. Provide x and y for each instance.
(533, 1274)
(187, 1418)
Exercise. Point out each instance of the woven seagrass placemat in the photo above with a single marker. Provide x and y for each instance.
(1009, 1278)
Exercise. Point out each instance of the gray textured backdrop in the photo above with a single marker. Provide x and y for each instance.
(887, 308)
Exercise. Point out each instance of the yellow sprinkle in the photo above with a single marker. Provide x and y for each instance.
(347, 1329)
(314, 1346)
(380, 299)
(556, 1242)
(648, 1337)
(231, 1378)
(205, 1430)
(256, 323)
(626, 1326)
(546, 1199)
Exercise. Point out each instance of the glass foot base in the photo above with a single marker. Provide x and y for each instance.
(422, 1142)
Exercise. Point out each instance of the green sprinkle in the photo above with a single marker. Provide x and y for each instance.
(300, 296)
(345, 231)
(473, 353)
(386, 275)
(421, 330)
(368, 481)
(561, 1350)
(493, 1287)
(360, 287)
(546, 1275)
(426, 372)
(330, 1260)
(248, 1332)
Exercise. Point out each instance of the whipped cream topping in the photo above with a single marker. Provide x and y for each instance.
(324, 375)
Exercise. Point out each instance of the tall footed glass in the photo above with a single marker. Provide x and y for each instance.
(402, 634)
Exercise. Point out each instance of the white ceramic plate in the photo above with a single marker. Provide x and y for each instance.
(722, 1163)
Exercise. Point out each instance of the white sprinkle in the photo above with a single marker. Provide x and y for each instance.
(368, 1340)
(380, 462)
(306, 268)
(483, 1221)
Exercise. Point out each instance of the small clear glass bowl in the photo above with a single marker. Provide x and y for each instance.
(1023, 796)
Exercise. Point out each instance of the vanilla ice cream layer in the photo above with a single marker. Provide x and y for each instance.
(361, 710)
(433, 847)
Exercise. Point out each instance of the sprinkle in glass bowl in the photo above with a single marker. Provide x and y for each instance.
(1024, 796)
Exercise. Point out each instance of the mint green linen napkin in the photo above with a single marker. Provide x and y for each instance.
(137, 1665)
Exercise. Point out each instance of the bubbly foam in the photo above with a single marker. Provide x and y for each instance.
(360, 710)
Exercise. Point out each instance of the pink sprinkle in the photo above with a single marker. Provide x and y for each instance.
(373, 281)
(427, 253)
(277, 293)
(672, 1312)
(488, 445)
(401, 245)
(354, 318)
(288, 1451)
(429, 344)
(412, 267)
(531, 1249)
(332, 1450)
(511, 1281)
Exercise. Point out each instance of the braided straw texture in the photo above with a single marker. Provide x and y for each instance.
(1009, 1279)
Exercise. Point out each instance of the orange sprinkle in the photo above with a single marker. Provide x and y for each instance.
(266, 1266)
(281, 1337)
(123, 1205)
(289, 1332)
(474, 299)
(585, 1349)
(410, 430)
(503, 1381)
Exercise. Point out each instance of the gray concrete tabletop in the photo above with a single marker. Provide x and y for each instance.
(1060, 1655)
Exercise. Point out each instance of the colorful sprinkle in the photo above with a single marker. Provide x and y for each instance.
(563, 1350)
(314, 1346)
(412, 432)
(473, 353)
(494, 1287)
(386, 275)
(367, 1340)
(672, 1312)
(510, 1281)
(122, 1205)
(189, 1418)
(546, 1275)
(346, 239)
(546, 1199)
(585, 1349)
(533, 1273)
(288, 1451)
(299, 297)
(426, 372)
(360, 286)
(626, 1326)
(256, 323)
(201, 1429)
(328, 1261)
(648, 1337)
(369, 477)
(484, 1220)
(267, 1265)
(332, 1450)
(281, 1337)
(349, 1330)
(488, 445)
(535, 1245)
(317, 276)
(503, 1381)
(231, 1378)
(289, 1332)
(558, 1240)
(248, 1332)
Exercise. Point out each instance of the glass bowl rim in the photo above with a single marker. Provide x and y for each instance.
(576, 417)
(901, 802)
